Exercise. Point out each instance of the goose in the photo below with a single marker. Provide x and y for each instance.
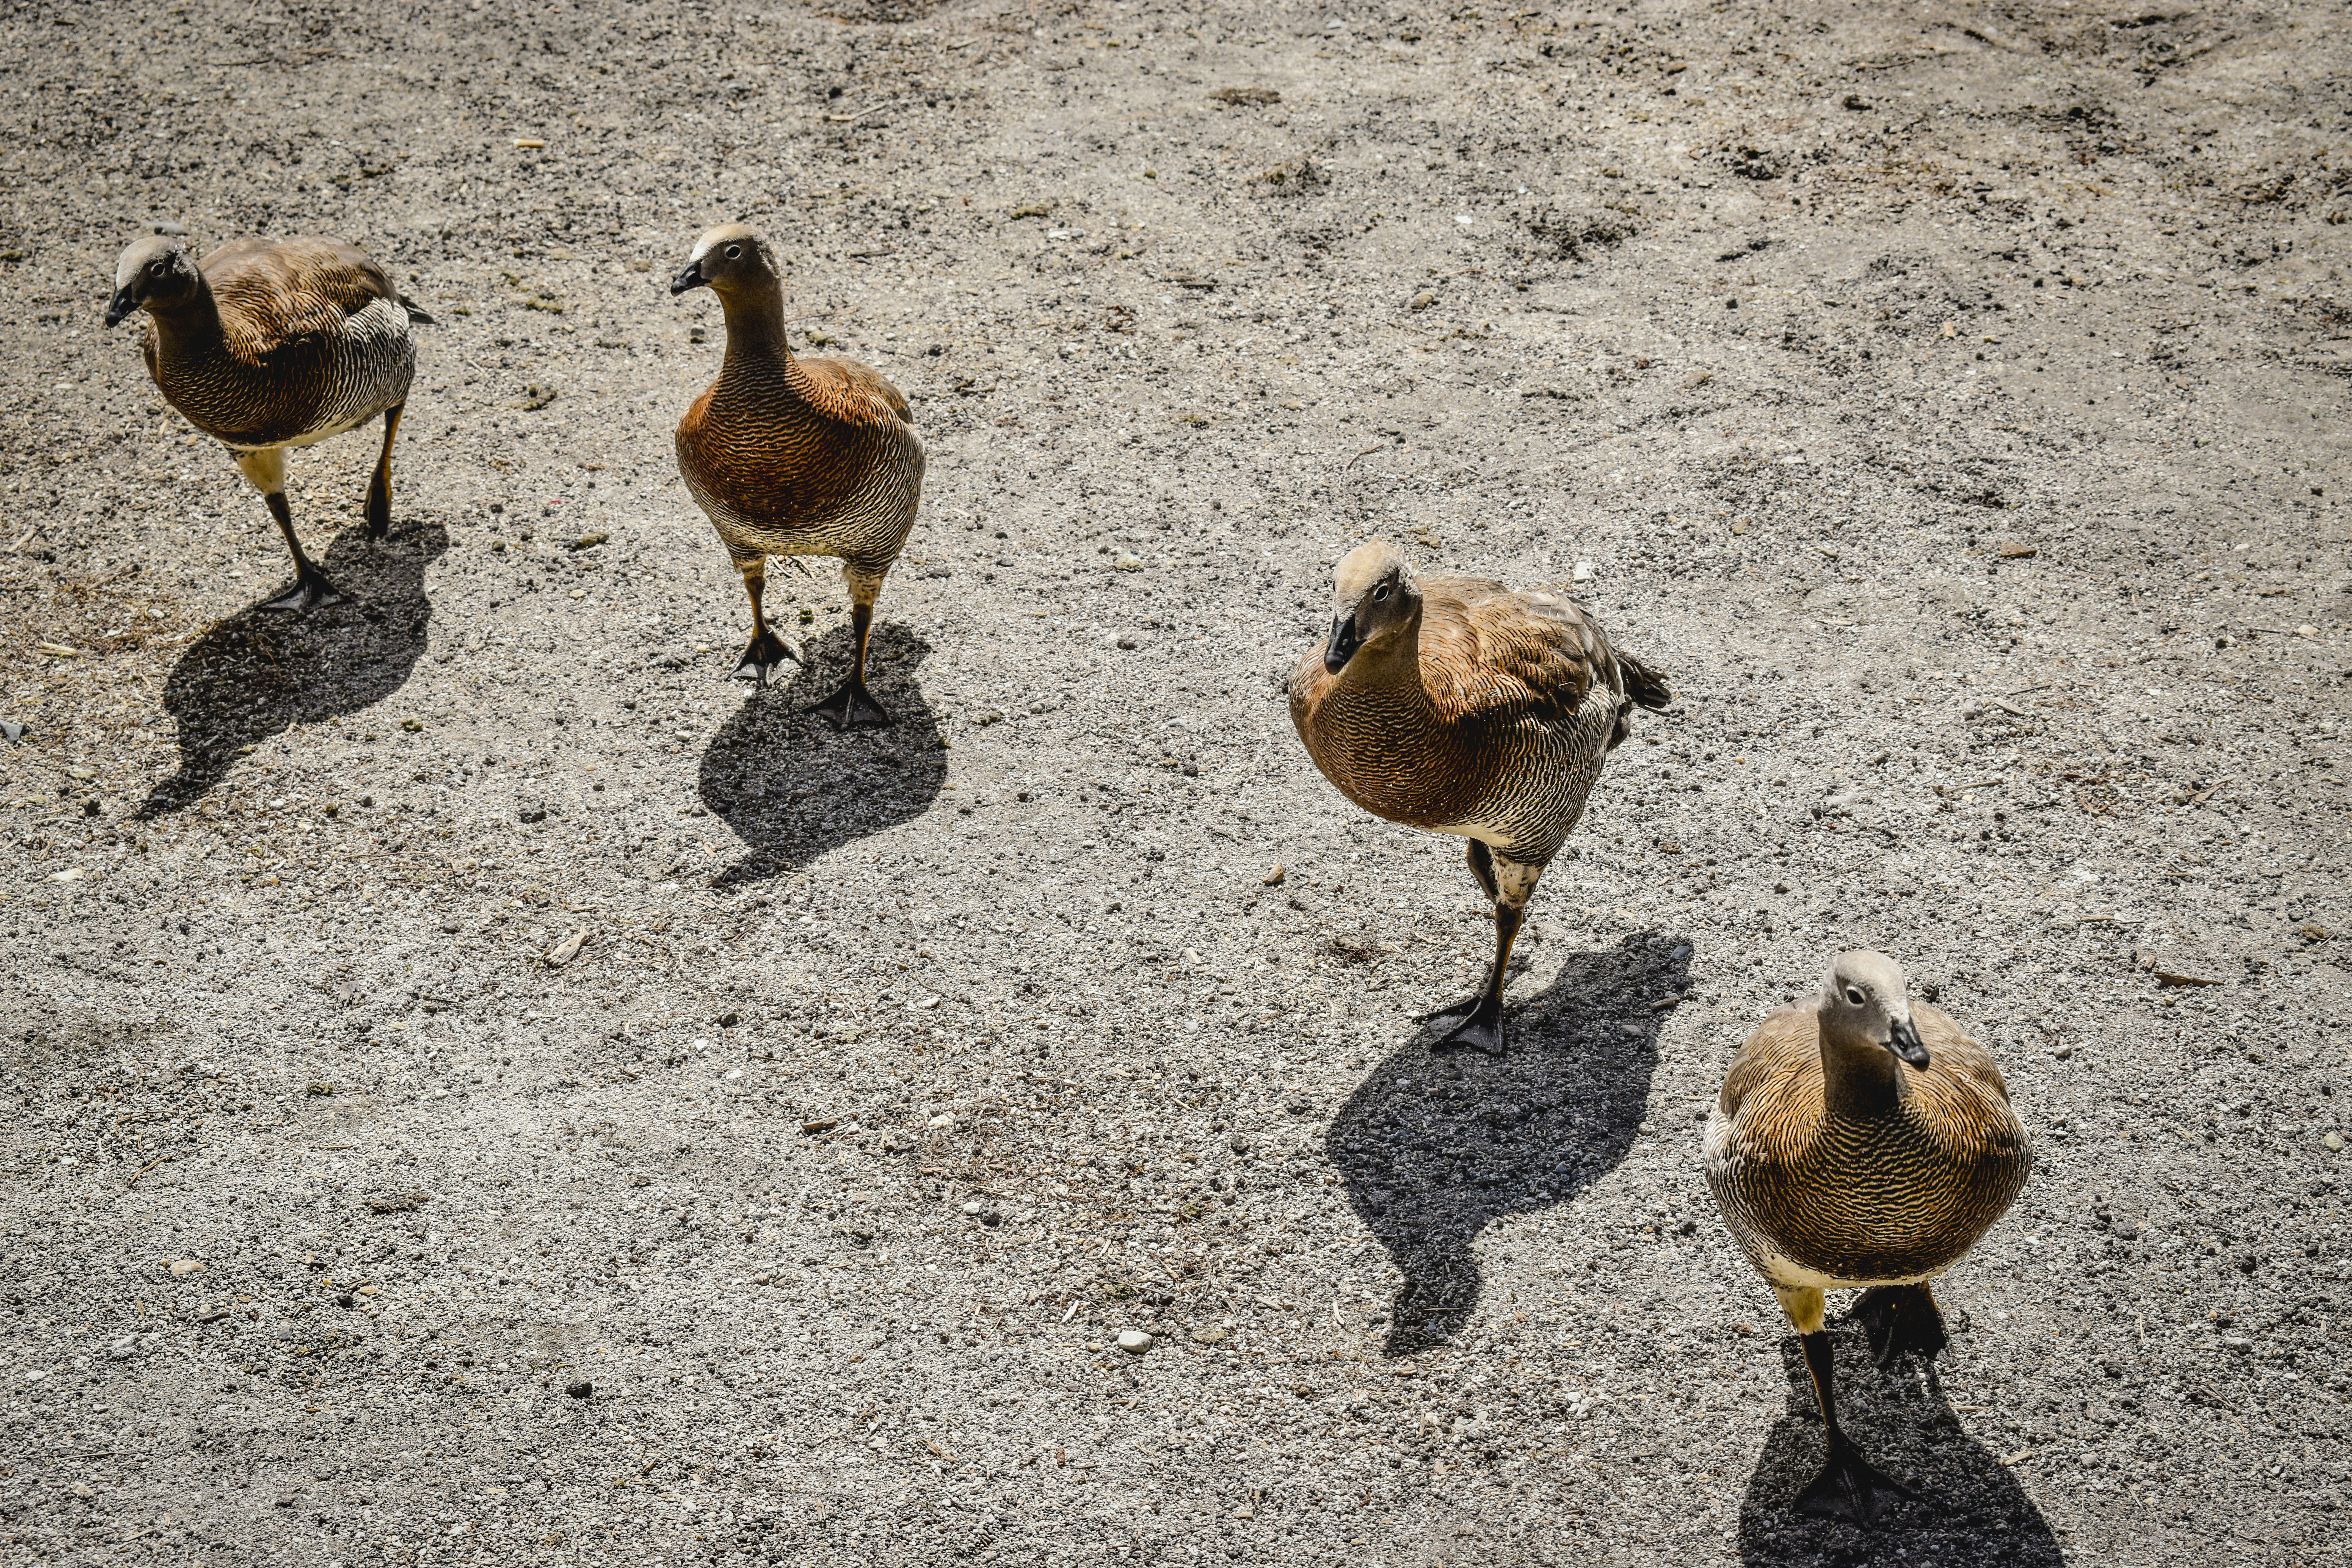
(795, 456)
(1862, 1138)
(266, 344)
(1459, 706)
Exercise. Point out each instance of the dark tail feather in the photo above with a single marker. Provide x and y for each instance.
(1643, 684)
(415, 312)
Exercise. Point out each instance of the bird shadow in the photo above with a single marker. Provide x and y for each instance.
(260, 672)
(792, 787)
(1974, 1511)
(1435, 1144)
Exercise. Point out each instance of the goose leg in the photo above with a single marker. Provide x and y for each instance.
(766, 649)
(1901, 1320)
(1849, 1487)
(266, 471)
(379, 495)
(1478, 1024)
(850, 701)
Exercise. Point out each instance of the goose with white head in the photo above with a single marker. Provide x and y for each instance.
(1862, 1141)
(1461, 706)
(269, 344)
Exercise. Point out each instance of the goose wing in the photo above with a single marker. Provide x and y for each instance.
(854, 392)
(284, 290)
(1499, 654)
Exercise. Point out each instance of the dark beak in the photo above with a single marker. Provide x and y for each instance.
(1906, 1043)
(691, 277)
(1345, 641)
(122, 305)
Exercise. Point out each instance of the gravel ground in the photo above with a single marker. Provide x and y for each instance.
(1954, 409)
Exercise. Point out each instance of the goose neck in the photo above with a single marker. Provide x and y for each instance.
(755, 323)
(1860, 1077)
(192, 326)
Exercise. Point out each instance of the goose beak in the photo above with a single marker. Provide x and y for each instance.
(1906, 1043)
(1345, 641)
(122, 305)
(691, 277)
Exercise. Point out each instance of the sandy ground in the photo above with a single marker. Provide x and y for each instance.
(1953, 404)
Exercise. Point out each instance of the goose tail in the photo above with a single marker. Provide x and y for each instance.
(1643, 684)
(415, 312)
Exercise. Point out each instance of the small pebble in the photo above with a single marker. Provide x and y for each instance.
(1209, 1336)
(2334, 1142)
(582, 1389)
(1273, 879)
(1125, 562)
(1134, 1341)
(185, 1267)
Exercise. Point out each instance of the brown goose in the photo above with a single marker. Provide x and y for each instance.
(1861, 1140)
(266, 344)
(795, 456)
(1460, 706)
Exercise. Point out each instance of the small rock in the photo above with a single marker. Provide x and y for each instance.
(1585, 571)
(1129, 641)
(974, 1206)
(564, 952)
(185, 1267)
(947, 1118)
(1273, 879)
(11, 731)
(1126, 562)
(2333, 1143)
(1238, 1143)
(582, 1389)
(1134, 1341)
(1423, 301)
(1211, 1335)
(2311, 931)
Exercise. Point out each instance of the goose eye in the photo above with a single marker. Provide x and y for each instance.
(734, 253)
(155, 270)
(1381, 594)
(1854, 996)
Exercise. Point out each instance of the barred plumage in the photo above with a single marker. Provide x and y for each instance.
(795, 456)
(1861, 1140)
(267, 344)
(1460, 706)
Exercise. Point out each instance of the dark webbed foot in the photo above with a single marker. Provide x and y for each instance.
(1901, 1320)
(765, 651)
(379, 513)
(850, 704)
(1851, 1488)
(1477, 1025)
(311, 591)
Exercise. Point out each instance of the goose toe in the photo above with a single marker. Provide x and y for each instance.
(1852, 1488)
(310, 592)
(852, 704)
(1474, 1026)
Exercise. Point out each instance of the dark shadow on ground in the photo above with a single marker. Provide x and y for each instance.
(1904, 1425)
(792, 787)
(257, 673)
(1433, 1147)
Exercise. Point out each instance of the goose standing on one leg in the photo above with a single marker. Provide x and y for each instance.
(1460, 706)
(1861, 1140)
(266, 344)
(795, 456)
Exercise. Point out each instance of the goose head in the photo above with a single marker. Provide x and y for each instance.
(1374, 601)
(1867, 999)
(155, 273)
(733, 257)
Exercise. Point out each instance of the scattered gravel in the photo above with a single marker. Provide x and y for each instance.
(488, 993)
